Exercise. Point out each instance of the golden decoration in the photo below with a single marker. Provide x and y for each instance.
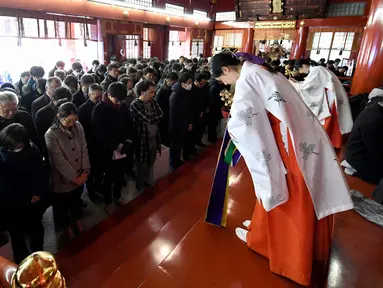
(38, 270)
(277, 6)
(274, 24)
(302, 23)
(167, 20)
(125, 14)
(227, 98)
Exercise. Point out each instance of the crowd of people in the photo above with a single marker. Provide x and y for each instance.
(81, 128)
(77, 129)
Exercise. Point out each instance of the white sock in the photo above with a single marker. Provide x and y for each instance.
(348, 171)
(241, 233)
(247, 223)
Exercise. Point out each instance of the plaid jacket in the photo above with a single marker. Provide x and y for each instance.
(141, 119)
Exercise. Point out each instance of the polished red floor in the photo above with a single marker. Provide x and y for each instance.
(160, 240)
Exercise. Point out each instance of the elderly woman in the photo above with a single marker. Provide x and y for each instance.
(68, 155)
(20, 191)
(146, 115)
(10, 114)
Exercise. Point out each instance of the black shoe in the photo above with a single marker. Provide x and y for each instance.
(131, 173)
(212, 140)
(186, 157)
(201, 145)
(94, 197)
(193, 151)
(176, 166)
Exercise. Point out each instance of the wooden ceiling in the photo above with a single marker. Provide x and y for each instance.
(258, 10)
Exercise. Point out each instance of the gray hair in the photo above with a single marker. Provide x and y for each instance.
(60, 73)
(53, 80)
(7, 97)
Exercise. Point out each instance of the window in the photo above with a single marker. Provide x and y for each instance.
(175, 9)
(131, 46)
(79, 30)
(329, 45)
(199, 13)
(30, 27)
(143, 3)
(176, 44)
(218, 42)
(346, 9)
(225, 16)
(8, 26)
(197, 47)
(147, 44)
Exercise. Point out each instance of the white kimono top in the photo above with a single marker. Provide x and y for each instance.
(258, 92)
(314, 94)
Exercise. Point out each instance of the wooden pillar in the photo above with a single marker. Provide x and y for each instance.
(368, 73)
(250, 41)
(299, 46)
(208, 47)
(165, 54)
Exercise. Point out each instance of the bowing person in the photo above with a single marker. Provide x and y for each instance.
(292, 165)
(70, 167)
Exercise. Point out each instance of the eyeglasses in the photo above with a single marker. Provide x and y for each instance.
(69, 121)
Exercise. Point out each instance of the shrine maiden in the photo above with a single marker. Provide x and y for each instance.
(324, 94)
(296, 176)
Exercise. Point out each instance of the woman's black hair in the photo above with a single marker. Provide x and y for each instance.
(184, 77)
(143, 86)
(221, 60)
(64, 109)
(226, 59)
(12, 135)
(300, 62)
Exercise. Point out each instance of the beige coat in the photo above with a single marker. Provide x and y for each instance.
(68, 156)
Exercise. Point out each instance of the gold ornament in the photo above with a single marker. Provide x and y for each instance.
(38, 270)
(227, 97)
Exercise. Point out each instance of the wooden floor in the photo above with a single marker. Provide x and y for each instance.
(160, 240)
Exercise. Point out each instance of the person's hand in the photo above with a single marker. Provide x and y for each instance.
(80, 180)
(190, 127)
(35, 199)
(84, 176)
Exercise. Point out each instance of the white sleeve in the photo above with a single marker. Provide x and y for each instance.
(251, 132)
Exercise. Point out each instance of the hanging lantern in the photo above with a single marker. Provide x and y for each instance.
(280, 42)
(341, 52)
(180, 43)
(318, 51)
(135, 43)
(149, 44)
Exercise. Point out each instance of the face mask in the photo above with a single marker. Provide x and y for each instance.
(189, 87)
(188, 67)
